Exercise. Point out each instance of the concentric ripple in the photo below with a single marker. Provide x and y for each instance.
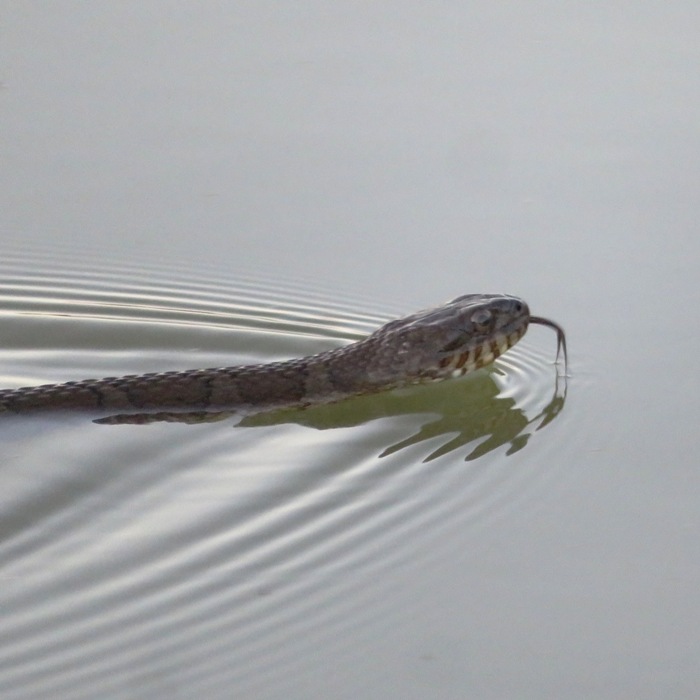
(62, 285)
(157, 556)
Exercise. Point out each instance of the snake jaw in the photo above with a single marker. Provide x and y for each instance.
(480, 339)
(459, 364)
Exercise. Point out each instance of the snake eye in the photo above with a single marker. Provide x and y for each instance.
(482, 319)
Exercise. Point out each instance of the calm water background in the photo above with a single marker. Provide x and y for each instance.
(196, 184)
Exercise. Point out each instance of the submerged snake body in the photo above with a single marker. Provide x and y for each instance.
(465, 334)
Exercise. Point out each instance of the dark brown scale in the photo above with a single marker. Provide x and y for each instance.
(461, 360)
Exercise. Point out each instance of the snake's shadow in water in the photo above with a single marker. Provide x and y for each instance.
(464, 411)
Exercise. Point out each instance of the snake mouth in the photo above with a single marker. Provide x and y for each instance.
(481, 354)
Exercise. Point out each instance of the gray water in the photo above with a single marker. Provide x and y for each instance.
(204, 184)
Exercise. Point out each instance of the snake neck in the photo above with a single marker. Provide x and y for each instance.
(328, 376)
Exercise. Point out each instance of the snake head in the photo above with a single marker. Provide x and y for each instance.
(465, 334)
(481, 329)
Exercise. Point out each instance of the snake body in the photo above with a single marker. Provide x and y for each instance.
(458, 337)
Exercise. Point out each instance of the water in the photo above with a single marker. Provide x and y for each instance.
(248, 183)
(124, 544)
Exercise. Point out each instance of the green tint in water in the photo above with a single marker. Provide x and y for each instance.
(465, 411)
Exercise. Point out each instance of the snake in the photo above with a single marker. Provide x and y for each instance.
(450, 340)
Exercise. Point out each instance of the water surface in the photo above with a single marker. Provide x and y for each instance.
(202, 184)
(124, 545)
